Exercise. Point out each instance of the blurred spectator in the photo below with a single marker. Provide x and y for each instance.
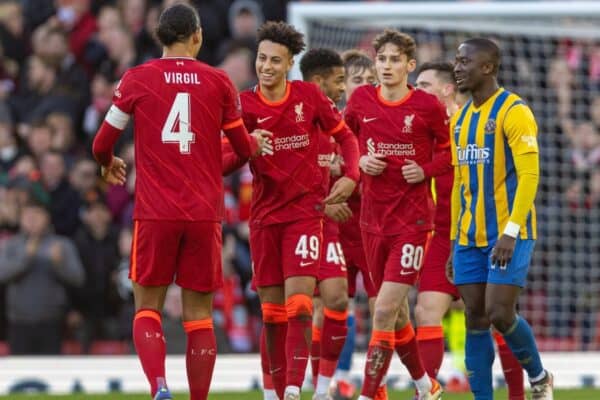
(9, 151)
(64, 200)
(97, 300)
(83, 177)
(239, 66)
(14, 44)
(39, 139)
(102, 91)
(74, 17)
(37, 267)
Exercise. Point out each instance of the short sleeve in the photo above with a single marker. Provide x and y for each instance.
(351, 117)
(232, 108)
(330, 119)
(125, 93)
(520, 129)
(438, 121)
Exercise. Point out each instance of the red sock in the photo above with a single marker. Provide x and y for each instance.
(315, 353)
(407, 349)
(264, 362)
(379, 355)
(149, 343)
(431, 348)
(200, 356)
(334, 337)
(513, 371)
(275, 326)
(297, 345)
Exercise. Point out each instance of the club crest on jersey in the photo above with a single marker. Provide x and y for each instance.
(370, 146)
(299, 113)
(408, 121)
(490, 127)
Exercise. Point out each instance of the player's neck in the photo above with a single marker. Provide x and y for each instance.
(274, 93)
(484, 92)
(177, 50)
(394, 93)
(451, 107)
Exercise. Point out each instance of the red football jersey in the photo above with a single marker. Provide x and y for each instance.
(443, 193)
(407, 129)
(288, 185)
(325, 157)
(179, 106)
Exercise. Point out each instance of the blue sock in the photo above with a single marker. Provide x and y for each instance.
(519, 338)
(479, 357)
(345, 361)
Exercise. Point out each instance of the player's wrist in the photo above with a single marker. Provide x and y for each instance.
(512, 229)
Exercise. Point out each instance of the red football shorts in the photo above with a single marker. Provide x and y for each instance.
(433, 274)
(284, 250)
(395, 258)
(187, 251)
(356, 261)
(333, 262)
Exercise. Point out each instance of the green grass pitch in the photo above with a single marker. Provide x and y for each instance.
(579, 394)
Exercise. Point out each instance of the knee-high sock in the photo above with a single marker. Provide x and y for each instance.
(315, 353)
(275, 326)
(479, 359)
(379, 355)
(431, 348)
(345, 361)
(332, 342)
(150, 346)
(200, 356)
(519, 338)
(513, 372)
(407, 349)
(298, 341)
(268, 388)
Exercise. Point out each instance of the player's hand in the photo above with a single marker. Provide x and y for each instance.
(450, 269)
(115, 173)
(341, 190)
(338, 212)
(503, 251)
(372, 164)
(412, 172)
(336, 166)
(265, 142)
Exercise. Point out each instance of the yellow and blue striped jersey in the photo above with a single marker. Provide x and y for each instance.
(485, 141)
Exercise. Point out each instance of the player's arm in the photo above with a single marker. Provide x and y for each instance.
(454, 207)
(331, 122)
(441, 160)
(520, 130)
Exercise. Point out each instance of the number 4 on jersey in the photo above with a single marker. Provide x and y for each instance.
(177, 127)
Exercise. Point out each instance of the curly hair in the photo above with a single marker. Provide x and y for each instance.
(282, 33)
(320, 61)
(406, 44)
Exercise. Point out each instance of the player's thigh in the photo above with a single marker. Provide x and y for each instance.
(356, 261)
(154, 251)
(471, 265)
(301, 248)
(406, 255)
(265, 251)
(199, 265)
(431, 307)
(390, 299)
(515, 274)
(196, 305)
(433, 272)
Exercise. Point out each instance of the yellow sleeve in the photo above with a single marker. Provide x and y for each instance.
(528, 176)
(455, 205)
(520, 129)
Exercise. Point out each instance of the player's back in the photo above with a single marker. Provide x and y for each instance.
(399, 131)
(179, 106)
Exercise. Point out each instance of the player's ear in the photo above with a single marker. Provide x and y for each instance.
(412, 64)
(198, 37)
(290, 63)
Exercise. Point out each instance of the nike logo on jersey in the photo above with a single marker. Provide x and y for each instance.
(338, 337)
(300, 358)
(261, 120)
(407, 272)
(367, 120)
(305, 263)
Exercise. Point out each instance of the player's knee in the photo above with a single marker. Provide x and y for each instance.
(420, 314)
(501, 317)
(384, 315)
(476, 318)
(338, 303)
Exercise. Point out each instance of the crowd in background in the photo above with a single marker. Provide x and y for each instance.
(59, 63)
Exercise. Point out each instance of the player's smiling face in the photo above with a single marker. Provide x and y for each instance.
(470, 68)
(273, 62)
(393, 66)
(358, 76)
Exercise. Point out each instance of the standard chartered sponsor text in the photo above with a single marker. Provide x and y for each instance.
(396, 149)
(292, 142)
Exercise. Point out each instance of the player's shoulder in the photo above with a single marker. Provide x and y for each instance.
(361, 94)
(423, 98)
